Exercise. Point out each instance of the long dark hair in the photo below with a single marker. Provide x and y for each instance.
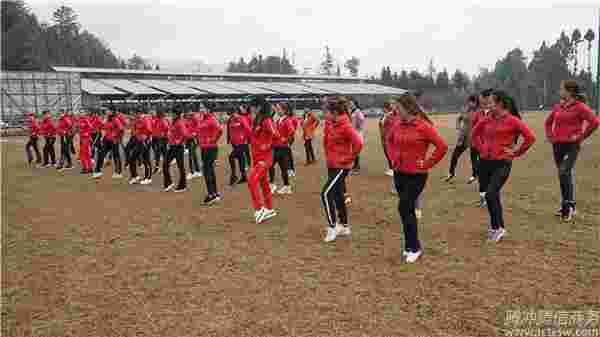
(409, 102)
(474, 99)
(264, 110)
(572, 87)
(507, 102)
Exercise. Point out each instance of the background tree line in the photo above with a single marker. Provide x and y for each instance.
(533, 82)
(28, 44)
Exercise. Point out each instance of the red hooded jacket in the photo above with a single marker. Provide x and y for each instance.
(34, 126)
(407, 143)
(160, 128)
(113, 130)
(48, 129)
(178, 132)
(342, 142)
(85, 127)
(285, 129)
(65, 126)
(209, 132)
(495, 137)
(142, 128)
(261, 142)
(238, 130)
(565, 124)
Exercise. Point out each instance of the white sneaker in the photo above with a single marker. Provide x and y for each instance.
(189, 176)
(291, 173)
(343, 230)
(419, 213)
(117, 176)
(146, 182)
(135, 180)
(258, 215)
(285, 190)
(498, 234)
(331, 234)
(471, 180)
(97, 175)
(389, 172)
(404, 253)
(197, 175)
(267, 214)
(412, 257)
(170, 187)
(273, 188)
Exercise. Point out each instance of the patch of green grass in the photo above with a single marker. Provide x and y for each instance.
(424, 312)
(47, 328)
(311, 280)
(150, 279)
(247, 263)
(392, 312)
(366, 238)
(216, 247)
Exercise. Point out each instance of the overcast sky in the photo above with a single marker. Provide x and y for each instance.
(403, 34)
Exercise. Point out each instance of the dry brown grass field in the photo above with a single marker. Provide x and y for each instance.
(102, 258)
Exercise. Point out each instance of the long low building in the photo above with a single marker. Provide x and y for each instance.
(72, 88)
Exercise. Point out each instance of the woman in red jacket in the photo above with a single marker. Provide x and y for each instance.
(33, 140)
(48, 130)
(495, 137)
(569, 124)
(65, 131)
(97, 124)
(142, 131)
(110, 144)
(209, 133)
(193, 119)
(238, 135)
(342, 146)
(85, 143)
(177, 136)
(408, 141)
(261, 143)
(160, 131)
(281, 148)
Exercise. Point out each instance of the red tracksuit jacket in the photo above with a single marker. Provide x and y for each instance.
(342, 142)
(285, 128)
(261, 142)
(160, 128)
(142, 128)
(48, 129)
(34, 126)
(178, 132)
(565, 124)
(65, 126)
(209, 132)
(85, 127)
(496, 136)
(97, 123)
(113, 130)
(407, 143)
(239, 130)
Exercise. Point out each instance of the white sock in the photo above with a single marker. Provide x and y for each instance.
(482, 194)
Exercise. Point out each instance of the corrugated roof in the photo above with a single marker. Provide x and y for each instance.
(212, 87)
(247, 88)
(98, 88)
(130, 86)
(170, 87)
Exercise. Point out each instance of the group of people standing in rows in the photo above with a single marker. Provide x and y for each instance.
(261, 134)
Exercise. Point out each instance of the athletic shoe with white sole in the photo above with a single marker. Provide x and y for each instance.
(331, 234)
(97, 175)
(389, 172)
(273, 188)
(412, 257)
(285, 190)
(418, 213)
(169, 188)
(343, 230)
(117, 176)
(258, 215)
(179, 190)
(197, 175)
(189, 176)
(134, 180)
(267, 214)
(482, 202)
(471, 180)
(498, 234)
(146, 182)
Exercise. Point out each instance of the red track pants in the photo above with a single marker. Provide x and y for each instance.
(85, 153)
(259, 177)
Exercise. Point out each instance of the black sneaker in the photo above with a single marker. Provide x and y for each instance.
(568, 214)
(212, 199)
